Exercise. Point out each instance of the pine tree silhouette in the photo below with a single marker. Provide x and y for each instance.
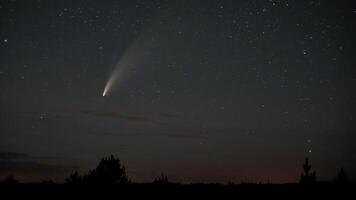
(342, 177)
(307, 177)
(161, 180)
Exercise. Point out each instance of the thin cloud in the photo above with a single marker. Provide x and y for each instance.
(21, 163)
(170, 115)
(188, 136)
(116, 115)
(173, 134)
(13, 155)
(9, 166)
(30, 114)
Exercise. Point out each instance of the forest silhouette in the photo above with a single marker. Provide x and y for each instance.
(110, 177)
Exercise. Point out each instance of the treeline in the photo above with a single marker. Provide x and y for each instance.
(110, 171)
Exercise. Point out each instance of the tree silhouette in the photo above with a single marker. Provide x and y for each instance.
(74, 178)
(307, 177)
(342, 177)
(10, 180)
(109, 171)
(161, 180)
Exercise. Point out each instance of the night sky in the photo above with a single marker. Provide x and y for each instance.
(204, 91)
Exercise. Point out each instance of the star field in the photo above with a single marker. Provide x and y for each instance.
(242, 90)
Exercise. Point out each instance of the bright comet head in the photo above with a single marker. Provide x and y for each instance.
(113, 78)
(105, 92)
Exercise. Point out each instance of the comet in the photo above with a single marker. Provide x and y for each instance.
(112, 80)
(133, 57)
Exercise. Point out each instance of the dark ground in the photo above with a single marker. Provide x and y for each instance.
(172, 190)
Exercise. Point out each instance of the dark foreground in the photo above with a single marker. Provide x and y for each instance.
(109, 179)
(171, 190)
